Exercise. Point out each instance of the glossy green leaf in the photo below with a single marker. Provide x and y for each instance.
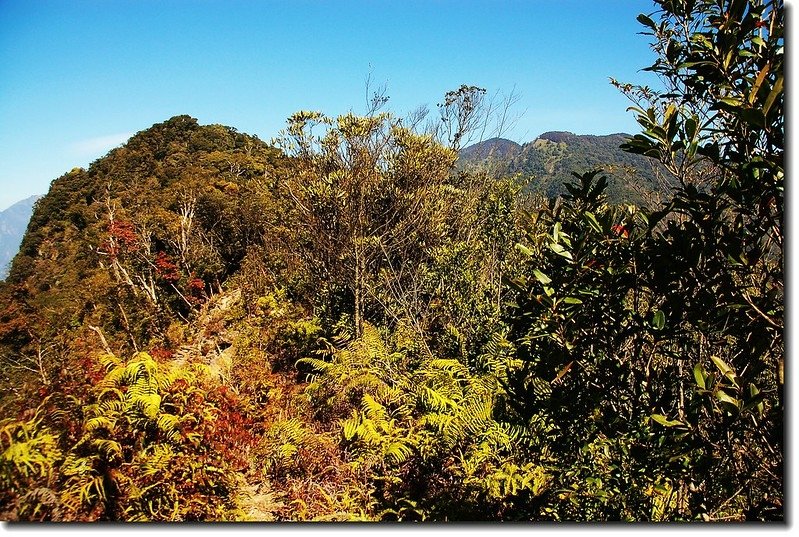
(699, 376)
(664, 421)
(646, 21)
(524, 249)
(541, 277)
(659, 320)
(560, 250)
(724, 397)
(592, 221)
(725, 369)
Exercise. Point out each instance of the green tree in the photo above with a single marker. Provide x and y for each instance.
(653, 345)
(583, 383)
(366, 194)
(715, 258)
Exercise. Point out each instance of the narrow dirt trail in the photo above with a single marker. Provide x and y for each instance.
(296, 470)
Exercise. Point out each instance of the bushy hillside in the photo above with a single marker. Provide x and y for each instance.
(348, 326)
(170, 215)
(547, 162)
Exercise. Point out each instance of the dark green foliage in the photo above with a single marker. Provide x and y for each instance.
(715, 259)
(579, 325)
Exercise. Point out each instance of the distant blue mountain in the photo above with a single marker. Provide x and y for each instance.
(13, 223)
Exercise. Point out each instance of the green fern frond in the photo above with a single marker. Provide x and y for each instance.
(287, 451)
(291, 430)
(111, 393)
(148, 363)
(436, 401)
(114, 378)
(28, 451)
(454, 367)
(349, 426)
(437, 422)
(99, 423)
(149, 404)
(367, 433)
(110, 407)
(109, 362)
(168, 424)
(110, 449)
(364, 382)
(165, 381)
(133, 373)
(398, 452)
(318, 366)
(371, 408)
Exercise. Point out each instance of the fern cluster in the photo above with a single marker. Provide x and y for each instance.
(403, 424)
(142, 452)
(30, 456)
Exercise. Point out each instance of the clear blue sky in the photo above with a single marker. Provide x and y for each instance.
(77, 77)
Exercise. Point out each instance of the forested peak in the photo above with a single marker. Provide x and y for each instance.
(175, 129)
(180, 147)
(145, 182)
(183, 134)
(182, 122)
(558, 136)
(493, 147)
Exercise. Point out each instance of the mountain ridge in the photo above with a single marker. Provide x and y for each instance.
(544, 167)
(13, 223)
(548, 161)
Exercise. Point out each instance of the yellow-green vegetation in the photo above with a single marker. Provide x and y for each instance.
(353, 326)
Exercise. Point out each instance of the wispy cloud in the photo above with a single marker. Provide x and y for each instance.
(99, 145)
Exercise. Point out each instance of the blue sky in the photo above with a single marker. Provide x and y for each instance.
(78, 77)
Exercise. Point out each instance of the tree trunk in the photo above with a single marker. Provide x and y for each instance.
(358, 290)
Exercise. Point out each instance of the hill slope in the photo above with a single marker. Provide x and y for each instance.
(494, 148)
(548, 161)
(146, 231)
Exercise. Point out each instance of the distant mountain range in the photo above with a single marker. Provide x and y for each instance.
(13, 223)
(548, 161)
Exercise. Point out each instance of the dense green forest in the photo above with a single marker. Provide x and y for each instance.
(350, 324)
(546, 164)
